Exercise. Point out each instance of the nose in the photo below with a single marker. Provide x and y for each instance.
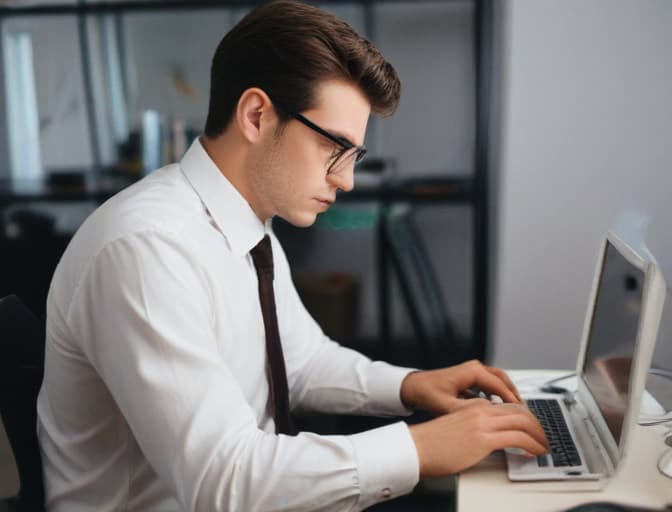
(344, 180)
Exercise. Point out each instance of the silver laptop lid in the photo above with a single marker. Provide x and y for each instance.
(618, 340)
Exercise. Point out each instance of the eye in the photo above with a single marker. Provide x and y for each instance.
(329, 147)
(336, 151)
(335, 154)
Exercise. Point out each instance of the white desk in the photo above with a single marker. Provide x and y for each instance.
(638, 482)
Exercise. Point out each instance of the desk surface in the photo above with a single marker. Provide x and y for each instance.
(638, 482)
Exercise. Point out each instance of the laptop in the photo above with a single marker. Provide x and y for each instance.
(618, 339)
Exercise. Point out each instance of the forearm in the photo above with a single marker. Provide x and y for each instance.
(310, 472)
(338, 380)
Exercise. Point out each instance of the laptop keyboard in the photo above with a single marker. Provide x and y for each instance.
(563, 450)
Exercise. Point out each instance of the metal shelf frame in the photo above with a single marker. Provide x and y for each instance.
(82, 7)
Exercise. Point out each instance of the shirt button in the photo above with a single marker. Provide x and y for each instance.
(386, 493)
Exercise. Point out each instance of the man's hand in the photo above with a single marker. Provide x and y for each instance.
(454, 442)
(441, 391)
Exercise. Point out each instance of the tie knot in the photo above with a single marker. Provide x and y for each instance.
(262, 256)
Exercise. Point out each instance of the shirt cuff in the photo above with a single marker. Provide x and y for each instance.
(384, 389)
(387, 463)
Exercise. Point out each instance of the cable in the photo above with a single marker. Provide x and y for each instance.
(548, 387)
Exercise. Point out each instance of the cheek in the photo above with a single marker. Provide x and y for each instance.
(283, 177)
(302, 167)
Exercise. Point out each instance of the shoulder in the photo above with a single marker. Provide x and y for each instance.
(158, 216)
(163, 201)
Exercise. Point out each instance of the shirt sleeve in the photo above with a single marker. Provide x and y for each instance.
(143, 315)
(324, 376)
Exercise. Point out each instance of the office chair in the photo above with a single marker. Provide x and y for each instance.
(21, 371)
(420, 288)
(31, 249)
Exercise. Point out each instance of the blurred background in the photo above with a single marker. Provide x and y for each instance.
(98, 95)
(526, 130)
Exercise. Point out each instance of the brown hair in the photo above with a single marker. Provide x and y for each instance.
(286, 48)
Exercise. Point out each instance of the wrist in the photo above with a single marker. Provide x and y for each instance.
(408, 392)
(419, 439)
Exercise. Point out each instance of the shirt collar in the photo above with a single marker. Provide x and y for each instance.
(227, 207)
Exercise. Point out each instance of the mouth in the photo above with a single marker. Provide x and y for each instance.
(324, 201)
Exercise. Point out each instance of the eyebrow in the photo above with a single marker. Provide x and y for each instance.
(341, 135)
(334, 133)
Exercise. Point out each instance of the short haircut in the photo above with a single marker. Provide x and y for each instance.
(287, 48)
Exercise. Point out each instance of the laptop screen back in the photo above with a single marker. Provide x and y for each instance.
(612, 337)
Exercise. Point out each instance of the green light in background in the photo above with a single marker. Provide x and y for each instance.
(348, 218)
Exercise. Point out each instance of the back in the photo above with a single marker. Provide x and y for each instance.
(70, 438)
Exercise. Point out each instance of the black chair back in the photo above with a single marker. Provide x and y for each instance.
(21, 371)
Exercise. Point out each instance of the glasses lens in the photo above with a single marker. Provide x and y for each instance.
(346, 160)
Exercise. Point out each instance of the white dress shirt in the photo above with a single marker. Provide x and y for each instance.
(155, 391)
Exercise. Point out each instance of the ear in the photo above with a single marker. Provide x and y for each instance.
(254, 112)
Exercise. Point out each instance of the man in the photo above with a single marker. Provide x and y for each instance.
(163, 387)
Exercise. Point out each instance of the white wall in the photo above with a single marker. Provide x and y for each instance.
(430, 45)
(585, 139)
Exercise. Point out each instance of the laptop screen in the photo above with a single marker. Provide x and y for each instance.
(613, 336)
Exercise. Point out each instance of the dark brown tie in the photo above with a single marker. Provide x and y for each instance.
(262, 256)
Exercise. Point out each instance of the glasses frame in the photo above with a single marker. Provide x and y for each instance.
(344, 143)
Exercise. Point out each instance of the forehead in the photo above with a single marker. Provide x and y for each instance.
(342, 109)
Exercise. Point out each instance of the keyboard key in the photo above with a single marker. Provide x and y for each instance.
(563, 450)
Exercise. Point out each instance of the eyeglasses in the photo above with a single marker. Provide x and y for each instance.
(345, 157)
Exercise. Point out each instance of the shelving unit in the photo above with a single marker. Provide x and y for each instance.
(471, 189)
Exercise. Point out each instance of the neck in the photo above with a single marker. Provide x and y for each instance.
(230, 154)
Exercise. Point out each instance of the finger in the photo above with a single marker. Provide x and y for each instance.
(507, 409)
(493, 384)
(514, 439)
(461, 403)
(514, 416)
(522, 422)
(507, 380)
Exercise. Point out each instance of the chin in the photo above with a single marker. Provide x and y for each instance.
(301, 220)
